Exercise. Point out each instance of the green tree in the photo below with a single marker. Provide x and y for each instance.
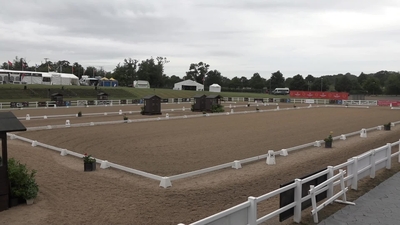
(213, 77)
(277, 80)
(392, 86)
(244, 82)
(309, 81)
(372, 86)
(235, 83)
(298, 83)
(257, 82)
(362, 78)
(288, 81)
(197, 72)
(343, 84)
(170, 81)
(225, 82)
(320, 84)
(127, 72)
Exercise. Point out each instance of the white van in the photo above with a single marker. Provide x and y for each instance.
(281, 91)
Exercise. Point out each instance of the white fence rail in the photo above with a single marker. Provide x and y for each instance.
(237, 164)
(357, 168)
(96, 103)
(103, 163)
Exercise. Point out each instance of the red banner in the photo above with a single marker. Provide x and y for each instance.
(320, 94)
(394, 103)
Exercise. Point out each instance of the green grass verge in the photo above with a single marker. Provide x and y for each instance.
(37, 92)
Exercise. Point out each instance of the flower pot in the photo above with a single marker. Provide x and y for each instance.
(328, 144)
(29, 201)
(386, 127)
(89, 166)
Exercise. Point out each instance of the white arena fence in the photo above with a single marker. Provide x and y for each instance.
(344, 175)
(355, 169)
(166, 117)
(98, 103)
(166, 181)
(120, 112)
(103, 163)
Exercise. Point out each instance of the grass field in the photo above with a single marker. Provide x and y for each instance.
(37, 92)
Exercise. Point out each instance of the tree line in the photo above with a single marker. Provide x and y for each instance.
(152, 70)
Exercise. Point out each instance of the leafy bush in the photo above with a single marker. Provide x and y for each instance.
(217, 108)
(22, 181)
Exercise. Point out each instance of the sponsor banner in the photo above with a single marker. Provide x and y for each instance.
(320, 95)
(394, 103)
(81, 102)
(310, 101)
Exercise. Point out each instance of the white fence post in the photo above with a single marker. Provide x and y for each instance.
(271, 157)
(399, 154)
(373, 163)
(354, 181)
(297, 200)
(252, 211)
(314, 203)
(389, 156)
(330, 185)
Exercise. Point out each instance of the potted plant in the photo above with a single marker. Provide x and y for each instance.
(328, 141)
(22, 183)
(31, 191)
(386, 126)
(79, 114)
(89, 163)
(257, 109)
(125, 118)
(142, 110)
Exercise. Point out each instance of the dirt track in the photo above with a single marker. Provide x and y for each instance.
(70, 196)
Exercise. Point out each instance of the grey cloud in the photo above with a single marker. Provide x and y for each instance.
(280, 6)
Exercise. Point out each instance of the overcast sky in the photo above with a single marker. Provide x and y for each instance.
(236, 37)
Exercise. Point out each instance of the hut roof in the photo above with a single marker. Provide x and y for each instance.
(10, 123)
(151, 96)
(214, 96)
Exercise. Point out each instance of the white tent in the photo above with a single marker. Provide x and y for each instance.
(141, 84)
(57, 79)
(30, 77)
(215, 88)
(189, 85)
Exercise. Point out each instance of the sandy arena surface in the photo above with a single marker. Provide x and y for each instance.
(70, 196)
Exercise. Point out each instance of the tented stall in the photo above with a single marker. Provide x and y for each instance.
(215, 88)
(189, 85)
(30, 77)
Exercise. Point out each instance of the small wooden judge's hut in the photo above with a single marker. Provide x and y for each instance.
(102, 96)
(57, 98)
(152, 105)
(212, 100)
(8, 123)
(199, 104)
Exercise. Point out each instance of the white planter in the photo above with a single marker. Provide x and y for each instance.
(29, 201)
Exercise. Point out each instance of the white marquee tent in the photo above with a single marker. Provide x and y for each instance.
(30, 77)
(215, 88)
(188, 85)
